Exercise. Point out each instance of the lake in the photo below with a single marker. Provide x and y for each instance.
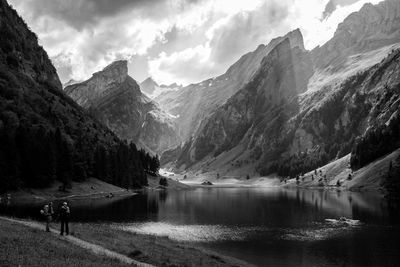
(263, 226)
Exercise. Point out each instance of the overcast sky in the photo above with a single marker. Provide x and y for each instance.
(181, 41)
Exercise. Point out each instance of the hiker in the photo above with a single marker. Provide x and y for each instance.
(46, 212)
(51, 209)
(64, 218)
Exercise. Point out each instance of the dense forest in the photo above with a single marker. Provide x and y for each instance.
(35, 157)
(44, 135)
(392, 182)
(376, 142)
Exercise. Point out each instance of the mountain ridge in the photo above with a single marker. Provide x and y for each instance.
(192, 103)
(335, 96)
(116, 99)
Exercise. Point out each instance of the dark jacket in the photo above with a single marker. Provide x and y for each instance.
(64, 213)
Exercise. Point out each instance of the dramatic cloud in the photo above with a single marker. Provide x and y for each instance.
(81, 13)
(179, 41)
(333, 4)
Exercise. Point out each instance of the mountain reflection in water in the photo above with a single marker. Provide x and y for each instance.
(264, 226)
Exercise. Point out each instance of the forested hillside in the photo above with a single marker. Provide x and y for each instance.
(45, 135)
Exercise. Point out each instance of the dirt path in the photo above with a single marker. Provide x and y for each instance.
(81, 243)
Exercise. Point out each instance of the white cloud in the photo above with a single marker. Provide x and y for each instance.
(209, 35)
(184, 66)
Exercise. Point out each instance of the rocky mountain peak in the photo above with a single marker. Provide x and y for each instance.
(296, 39)
(116, 71)
(372, 27)
(148, 86)
(102, 83)
(150, 81)
(117, 101)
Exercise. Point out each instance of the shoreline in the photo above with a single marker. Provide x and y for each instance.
(26, 196)
(292, 185)
(99, 239)
(91, 189)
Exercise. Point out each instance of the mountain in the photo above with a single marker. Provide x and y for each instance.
(374, 26)
(332, 96)
(257, 112)
(44, 134)
(70, 82)
(148, 86)
(153, 90)
(117, 101)
(195, 102)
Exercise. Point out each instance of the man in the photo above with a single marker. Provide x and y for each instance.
(64, 218)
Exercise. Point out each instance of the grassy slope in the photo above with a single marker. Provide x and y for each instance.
(90, 187)
(368, 178)
(22, 246)
(159, 251)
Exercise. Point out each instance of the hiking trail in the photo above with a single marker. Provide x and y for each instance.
(96, 249)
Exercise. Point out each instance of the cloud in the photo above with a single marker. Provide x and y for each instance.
(333, 4)
(81, 13)
(234, 33)
(182, 67)
(181, 41)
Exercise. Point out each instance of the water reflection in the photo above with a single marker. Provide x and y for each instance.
(228, 206)
(264, 226)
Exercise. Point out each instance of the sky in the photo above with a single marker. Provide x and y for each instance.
(182, 41)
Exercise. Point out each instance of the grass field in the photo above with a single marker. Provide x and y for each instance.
(23, 246)
(159, 251)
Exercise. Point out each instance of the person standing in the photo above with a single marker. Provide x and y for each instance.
(46, 212)
(64, 218)
(51, 210)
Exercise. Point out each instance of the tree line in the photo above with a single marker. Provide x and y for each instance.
(35, 157)
(376, 142)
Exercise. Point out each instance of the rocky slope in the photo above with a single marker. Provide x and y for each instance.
(374, 26)
(195, 102)
(260, 109)
(116, 100)
(336, 88)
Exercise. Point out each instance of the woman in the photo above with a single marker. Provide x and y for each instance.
(47, 211)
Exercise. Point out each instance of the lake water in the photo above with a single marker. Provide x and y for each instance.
(263, 226)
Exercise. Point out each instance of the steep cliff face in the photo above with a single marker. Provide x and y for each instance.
(101, 84)
(362, 40)
(352, 71)
(342, 89)
(254, 115)
(115, 98)
(330, 127)
(196, 102)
